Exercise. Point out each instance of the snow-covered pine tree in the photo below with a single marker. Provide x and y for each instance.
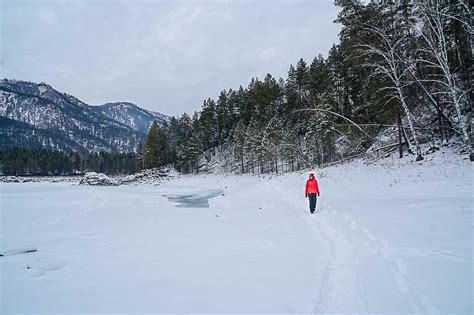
(154, 146)
(237, 144)
(271, 140)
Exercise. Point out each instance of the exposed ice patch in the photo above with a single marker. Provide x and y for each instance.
(195, 200)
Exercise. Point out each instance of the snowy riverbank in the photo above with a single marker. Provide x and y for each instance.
(395, 237)
(153, 176)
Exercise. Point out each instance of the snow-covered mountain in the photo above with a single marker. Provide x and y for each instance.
(37, 115)
(131, 115)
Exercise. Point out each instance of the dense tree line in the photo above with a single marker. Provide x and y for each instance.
(403, 66)
(18, 161)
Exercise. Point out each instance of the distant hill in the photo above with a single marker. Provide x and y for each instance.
(37, 115)
(131, 115)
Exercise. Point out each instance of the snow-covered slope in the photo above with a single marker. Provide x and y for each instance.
(391, 238)
(61, 121)
(131, 115)
(19, 134)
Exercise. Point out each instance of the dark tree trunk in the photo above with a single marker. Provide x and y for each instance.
(441, 126)
(399, 125)
(406, 139)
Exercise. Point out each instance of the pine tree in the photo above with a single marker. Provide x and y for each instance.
(271, 141)
(237, 139)
(153, 146)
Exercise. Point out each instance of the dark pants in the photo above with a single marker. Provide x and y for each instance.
(313, 198)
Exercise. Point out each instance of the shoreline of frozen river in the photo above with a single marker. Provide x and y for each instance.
(395, 237)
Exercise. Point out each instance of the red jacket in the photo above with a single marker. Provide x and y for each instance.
(311, 187)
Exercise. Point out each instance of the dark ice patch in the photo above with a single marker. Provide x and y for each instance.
(199, 199)
(17, 251)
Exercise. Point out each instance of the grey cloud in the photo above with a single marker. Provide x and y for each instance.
(162, 55)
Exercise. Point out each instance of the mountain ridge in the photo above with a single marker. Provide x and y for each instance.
(52, 119)
(119, 110)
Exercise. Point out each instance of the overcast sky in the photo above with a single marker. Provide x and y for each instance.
(166, 56)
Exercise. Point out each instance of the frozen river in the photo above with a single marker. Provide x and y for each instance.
(385, 239)
(131, 249)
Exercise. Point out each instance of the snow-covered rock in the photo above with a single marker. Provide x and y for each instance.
(154, 176)
(36, 179)
(131, 178)
(98, 179)
(15, 179)
(10, 179)
(149, 176)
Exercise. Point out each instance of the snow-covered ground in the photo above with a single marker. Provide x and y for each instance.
(387, 238)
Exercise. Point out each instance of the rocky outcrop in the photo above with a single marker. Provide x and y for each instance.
(98, 179)
(149, 176)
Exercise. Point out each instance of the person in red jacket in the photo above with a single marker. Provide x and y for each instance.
(312, 191)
